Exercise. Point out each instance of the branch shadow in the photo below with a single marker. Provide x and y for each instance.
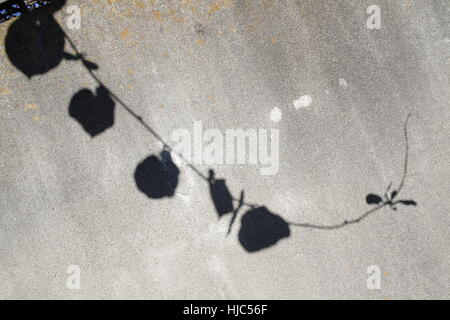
(35, 45)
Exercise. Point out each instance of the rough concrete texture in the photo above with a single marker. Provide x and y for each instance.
(69, 199)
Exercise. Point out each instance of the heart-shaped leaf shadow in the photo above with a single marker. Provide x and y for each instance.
(95, 113)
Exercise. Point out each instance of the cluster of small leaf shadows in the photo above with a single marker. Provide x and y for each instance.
(388, 199)
(389, 196)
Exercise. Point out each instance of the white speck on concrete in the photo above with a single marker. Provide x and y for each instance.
(303, 102)
(343, 83)
(276, 115)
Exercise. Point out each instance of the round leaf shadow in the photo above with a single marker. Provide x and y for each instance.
(261, 229)
(157, 177)
(35, 41)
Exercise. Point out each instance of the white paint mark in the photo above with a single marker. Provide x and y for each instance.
(276, 115)
(343, 83)
(303, 102)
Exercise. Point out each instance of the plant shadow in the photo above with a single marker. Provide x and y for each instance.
(35, 44)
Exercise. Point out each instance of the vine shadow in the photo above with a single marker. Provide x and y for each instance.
(35, 45)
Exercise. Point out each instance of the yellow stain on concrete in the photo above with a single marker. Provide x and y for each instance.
(217, 6)
(157, 15)
(128, 13)
(250, 28)
(3, 30)
(124, 34)
(140, 4)
(31, 106)
(5, 91)
(201, 42)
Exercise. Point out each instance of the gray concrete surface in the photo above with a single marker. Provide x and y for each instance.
(68, 199)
